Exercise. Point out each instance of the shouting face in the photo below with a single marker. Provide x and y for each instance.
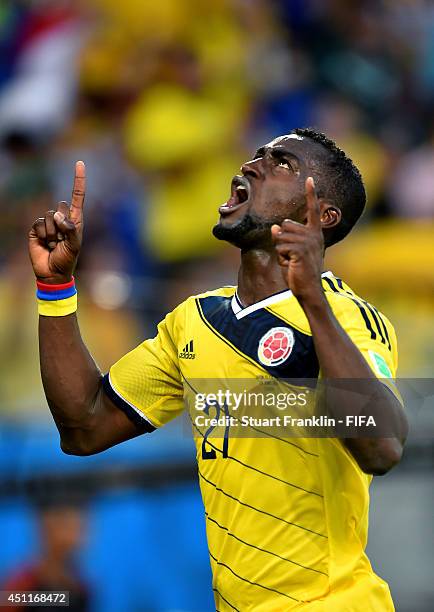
(269, 189)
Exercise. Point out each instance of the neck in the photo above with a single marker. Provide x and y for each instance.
(259, 276)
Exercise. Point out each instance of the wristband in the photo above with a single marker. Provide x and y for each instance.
(56, 300)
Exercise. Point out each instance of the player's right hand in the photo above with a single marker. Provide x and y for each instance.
(55, 239)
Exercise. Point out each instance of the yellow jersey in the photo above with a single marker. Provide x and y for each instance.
(286, 517)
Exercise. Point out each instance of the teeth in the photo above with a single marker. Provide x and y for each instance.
(243, 193)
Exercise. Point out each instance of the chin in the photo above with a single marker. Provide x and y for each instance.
(248, 232)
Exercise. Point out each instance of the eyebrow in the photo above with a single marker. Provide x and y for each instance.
(260, 152)
(279, 149)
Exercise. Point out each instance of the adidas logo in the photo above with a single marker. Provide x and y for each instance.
(188, 352)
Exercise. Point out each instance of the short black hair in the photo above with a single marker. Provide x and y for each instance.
(339, 181)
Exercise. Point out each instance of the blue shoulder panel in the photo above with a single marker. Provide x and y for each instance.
(246, 333)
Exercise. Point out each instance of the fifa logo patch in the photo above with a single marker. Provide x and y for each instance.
(275, 346)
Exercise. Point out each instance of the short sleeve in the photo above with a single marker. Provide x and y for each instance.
(146, 383)
(372, 333)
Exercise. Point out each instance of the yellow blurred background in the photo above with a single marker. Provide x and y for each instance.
(164, 100)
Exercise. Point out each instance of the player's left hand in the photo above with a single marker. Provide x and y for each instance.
(300, 249)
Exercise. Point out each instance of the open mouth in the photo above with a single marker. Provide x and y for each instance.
(240, 194)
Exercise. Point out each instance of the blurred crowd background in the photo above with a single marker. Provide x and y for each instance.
(164, 101)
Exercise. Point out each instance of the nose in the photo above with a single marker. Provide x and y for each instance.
(252, 168)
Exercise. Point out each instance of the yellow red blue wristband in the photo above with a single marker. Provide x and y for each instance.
(56, 300)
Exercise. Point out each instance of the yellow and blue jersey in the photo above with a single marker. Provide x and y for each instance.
(286, 518)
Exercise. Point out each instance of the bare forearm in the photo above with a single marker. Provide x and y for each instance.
(70, 376)
(340, 360)
(300, 251)
(88, 421)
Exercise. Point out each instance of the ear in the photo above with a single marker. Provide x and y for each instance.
(331, 215)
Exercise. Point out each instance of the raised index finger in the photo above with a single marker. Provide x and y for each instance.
(312, 205)
(78, 192)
